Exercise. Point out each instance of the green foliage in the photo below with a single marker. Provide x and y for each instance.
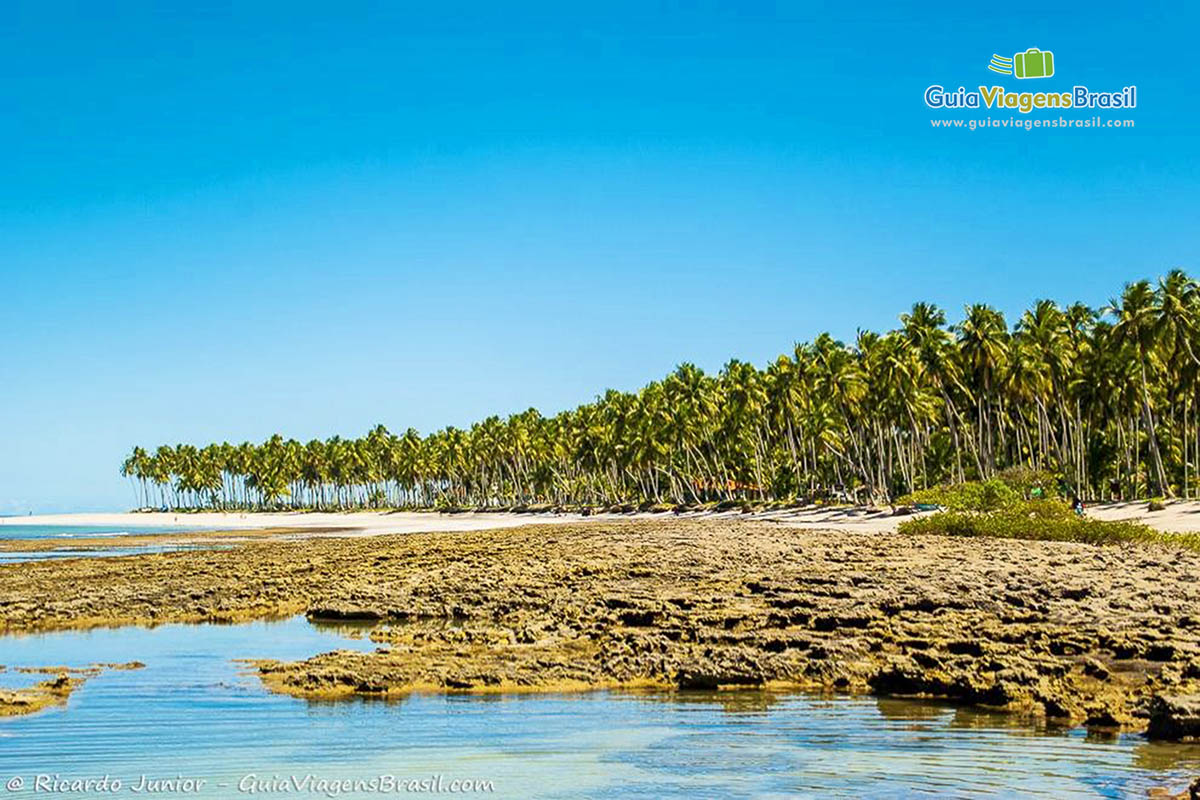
(971, 496)
(1044, 520)
(1031, 483)
(1007, 490)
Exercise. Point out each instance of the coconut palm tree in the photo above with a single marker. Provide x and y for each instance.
(1138, 313)
(1105, 399)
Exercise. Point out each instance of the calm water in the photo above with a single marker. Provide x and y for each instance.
(193, 712)
(63, 534)
(15, 531)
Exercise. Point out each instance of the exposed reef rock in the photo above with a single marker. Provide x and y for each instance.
(52, 692)
(14, 702)
(1069, 632)
(1175, 717)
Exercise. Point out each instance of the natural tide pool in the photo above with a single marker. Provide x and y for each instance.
(18, 556)
(193, 712)
(18, 531)
(61, 536)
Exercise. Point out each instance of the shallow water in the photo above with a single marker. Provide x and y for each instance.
(16, 531)
(195, 713)
(61, 535)
(17, 556)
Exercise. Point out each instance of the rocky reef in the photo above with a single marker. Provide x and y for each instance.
(53, 691)
(1065, 632)
(14, 702)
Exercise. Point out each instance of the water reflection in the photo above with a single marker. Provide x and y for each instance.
(1167, 757)
(732, 701)
(911, 710)
(22, 556)
(349, 628)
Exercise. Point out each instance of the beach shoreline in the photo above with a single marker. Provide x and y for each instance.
(1180, 516)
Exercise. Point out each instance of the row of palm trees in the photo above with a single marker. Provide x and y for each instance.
(1105, 398)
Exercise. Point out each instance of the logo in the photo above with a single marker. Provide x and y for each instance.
(1033, 63)
(1001, 64)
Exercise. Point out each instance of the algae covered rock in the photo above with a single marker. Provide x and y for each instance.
(1174, 717)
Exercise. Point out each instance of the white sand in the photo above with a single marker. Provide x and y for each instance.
(1182, 516)
(364, 523)
(368, 523)
(1178, 516)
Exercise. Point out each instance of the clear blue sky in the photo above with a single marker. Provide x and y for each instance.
(224, 222)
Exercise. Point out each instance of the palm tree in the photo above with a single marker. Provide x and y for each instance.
(1138, 311)
(1107, 405)
(983, 342)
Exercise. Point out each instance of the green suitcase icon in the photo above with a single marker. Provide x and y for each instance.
(1033, 63)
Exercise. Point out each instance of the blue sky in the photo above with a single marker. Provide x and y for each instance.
(221, 222)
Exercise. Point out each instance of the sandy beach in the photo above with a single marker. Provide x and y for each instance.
(1180, 516)
(363, 522)
(200, 525)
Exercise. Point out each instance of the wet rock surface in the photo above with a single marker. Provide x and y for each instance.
(15, 702)
(1175, 717)
(1082, 634)
(53, 691)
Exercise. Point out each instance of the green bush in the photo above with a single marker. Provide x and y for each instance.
(1008, 489)
(1030, 483)
(972, 496)
(1045, 520)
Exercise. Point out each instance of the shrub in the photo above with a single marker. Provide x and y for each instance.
(1025, 481)
(972, 496)
(1044, 520)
